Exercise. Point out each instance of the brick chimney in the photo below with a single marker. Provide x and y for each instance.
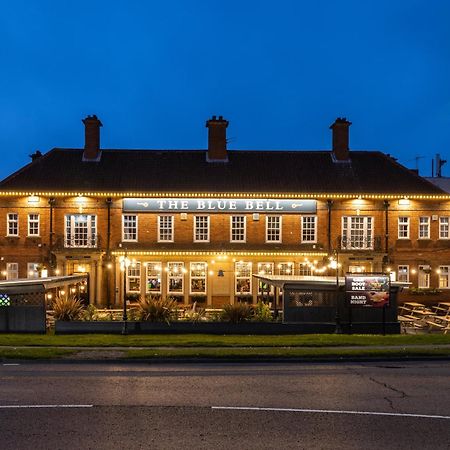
(91, 138)
(340, 139)
(217, 139)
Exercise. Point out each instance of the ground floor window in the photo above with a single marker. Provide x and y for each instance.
(12, 271)
(243, 277)
(134, 278)
(265, 268)
(286, 268)
(304, 269)
(444, 274)
(424, 277)
(403, 273)
(32, 270)
(175, 278)
(198, 278)
(153, 284)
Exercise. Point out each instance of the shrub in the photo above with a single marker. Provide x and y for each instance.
(157, 309)
(90, 313)
(239, 312)
(261, 312)
(67, 308)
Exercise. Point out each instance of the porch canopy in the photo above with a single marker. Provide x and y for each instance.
(25, 285)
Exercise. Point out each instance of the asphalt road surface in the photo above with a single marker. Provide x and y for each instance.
(226, 406)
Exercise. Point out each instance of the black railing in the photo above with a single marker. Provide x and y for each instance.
(359, 243)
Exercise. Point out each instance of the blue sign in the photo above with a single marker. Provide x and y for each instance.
(210, 205)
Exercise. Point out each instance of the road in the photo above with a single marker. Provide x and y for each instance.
(209, 406)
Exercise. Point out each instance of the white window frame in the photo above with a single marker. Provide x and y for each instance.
(91, 231)
(134, 229)
(12, 271)
(350, 228)
(305, 269)
(421, 274)
(201, 229)
(172, 228)
(12, 223)
(32, 271)
(153, 269)
(134, 273)
(306, 230)
(265, 268)
(404, 227)
(275, 230)
(444, 277)
(238, 276)
(403, 269)
(444, 227)
(239, 229)
(424, 227)
(286, 268)
(195, 267)
(175, 275)
(36, 222)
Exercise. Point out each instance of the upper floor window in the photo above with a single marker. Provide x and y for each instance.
(309, 229)
(13, 224)
(403, 227)
(153, 277)
(81, 230)
(357, 232)
(129, 228)
(444, 228)
(273, 229)
(403, 273)
(33, 224)
(201, 228)
(238, 229)
(165, 229)
(444, 276)
(12, 271)
(424, 227)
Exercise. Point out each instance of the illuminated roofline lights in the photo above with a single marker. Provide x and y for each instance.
(257, 195)
(213, 253)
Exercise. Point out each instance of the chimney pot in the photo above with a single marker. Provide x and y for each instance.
(340, 139)
(217, 139)
(91, 138)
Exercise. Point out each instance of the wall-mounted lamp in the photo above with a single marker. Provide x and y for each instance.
(404, 202)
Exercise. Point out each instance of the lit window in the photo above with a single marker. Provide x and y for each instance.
(424, 228)
(13, 224)
(201, 228)
(403, 227)
(134, 278)
(304, 269)
(12, 271)
(403, 273)
(243, 277)
(129, 228)
(81, 230)
(153, 278)
(238, 231)
(444, 274)
(424, 277)
(285, 268)
(357, 232)
(165, 228)
(198, 278)
(309, 229)
(32, 270)
(33, 224)
(273, 229)
(175, 277)
(265, 268)
(444, 228)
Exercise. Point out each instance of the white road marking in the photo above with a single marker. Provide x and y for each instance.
(331, 411)
(43, 406)
(11, 364)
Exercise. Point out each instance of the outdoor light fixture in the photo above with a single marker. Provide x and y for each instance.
(404, 201)
(57, 271)
(124, 264)
(32, 200)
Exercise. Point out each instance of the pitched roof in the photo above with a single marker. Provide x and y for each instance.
(246, 171)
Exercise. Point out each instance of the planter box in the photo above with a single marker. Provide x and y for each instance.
(252, 328)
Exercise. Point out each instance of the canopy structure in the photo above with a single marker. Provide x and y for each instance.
(25, 285)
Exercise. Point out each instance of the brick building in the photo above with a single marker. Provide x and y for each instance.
(195, 224)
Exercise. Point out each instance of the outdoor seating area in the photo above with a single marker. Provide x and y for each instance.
(415, 316)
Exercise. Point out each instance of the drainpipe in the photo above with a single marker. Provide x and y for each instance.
(51, 203)
(108, 254)
(386, 225)
(329, 206)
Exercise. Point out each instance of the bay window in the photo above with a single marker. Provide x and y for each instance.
(81, 230)
(357, 233)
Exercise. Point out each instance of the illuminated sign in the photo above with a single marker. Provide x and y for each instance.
(367, 290)
(209, 205)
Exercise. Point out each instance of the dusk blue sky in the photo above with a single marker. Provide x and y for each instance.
(279, 71)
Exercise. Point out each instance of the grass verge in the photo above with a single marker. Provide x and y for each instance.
(33, 353)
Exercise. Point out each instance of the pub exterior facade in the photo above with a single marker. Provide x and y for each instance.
(196, 224)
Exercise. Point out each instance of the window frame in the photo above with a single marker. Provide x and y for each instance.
(12, 221)
(447, 276)
(278, 229)
(90, 229)
(136, 227)
(157, 270)
(304, 229)
(181, 277)
(421, 268)
(172, 228)
(407, 224)
(447, 225)
(131, 274)
(237, 277)
(244, 229)
(192, 277)
(399, 274)
(427, 225)
(348, 227)
(265, 268)
(32, 267)
(208, 228)
(9, 271)
(34, 221)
